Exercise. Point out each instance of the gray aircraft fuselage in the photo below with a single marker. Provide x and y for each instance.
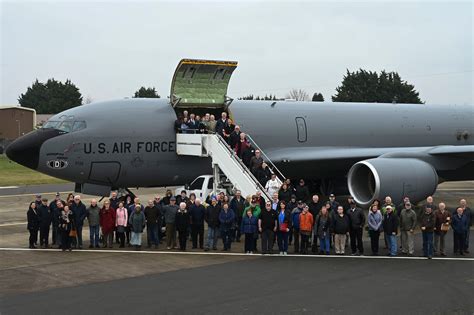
(131, 142)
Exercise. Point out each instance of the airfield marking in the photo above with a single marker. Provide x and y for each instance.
(13, 224)
(8, 187)
(45, 193)
(233, 254)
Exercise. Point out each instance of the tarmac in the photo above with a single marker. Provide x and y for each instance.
(172, 282)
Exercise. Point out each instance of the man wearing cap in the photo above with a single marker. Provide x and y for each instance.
(169, 212)
(427, 227)
(401, 206)
(211, 216)
(407, 229)
(38, 200)
(334, 204)
(357, 220)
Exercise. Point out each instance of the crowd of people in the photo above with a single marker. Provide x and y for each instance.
(311, 226)
(234, 137)
(291, 216)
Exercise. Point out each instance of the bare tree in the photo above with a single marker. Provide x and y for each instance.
(298, 95)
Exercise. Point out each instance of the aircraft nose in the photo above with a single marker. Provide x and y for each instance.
(26, 149)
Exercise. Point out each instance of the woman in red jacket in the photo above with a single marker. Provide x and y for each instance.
(107, 223)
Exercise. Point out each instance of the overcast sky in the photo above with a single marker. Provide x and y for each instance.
(110, 49)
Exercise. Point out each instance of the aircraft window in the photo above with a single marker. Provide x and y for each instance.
(51, 124)
(197, 184)
(301, 129)
(79, 125)
(65, 126)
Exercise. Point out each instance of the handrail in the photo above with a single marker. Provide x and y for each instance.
(242, 165)
(280, 174)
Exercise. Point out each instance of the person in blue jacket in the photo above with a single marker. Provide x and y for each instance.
(249, 228)
(226, 219)
(460, 225)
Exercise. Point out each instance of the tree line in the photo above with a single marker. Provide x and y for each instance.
(358, 86)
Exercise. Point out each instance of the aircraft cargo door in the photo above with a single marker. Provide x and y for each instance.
(301, 132)
(106, 172)
(201, 84)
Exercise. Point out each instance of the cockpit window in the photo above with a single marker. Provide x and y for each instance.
(79, 125)
(65, 126)
(51, 124)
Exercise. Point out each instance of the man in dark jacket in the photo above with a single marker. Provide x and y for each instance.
(390, 227)
(211, 217)
(33, 224)
(302, 191)
(340, 228)
(460, 226)
(153, 223)
(256, 162)
(55, 213)
(226, 220)
(295, 225)
(45, 221)
(357, 219)
(334, 204)
(169, 212)
(234, 137)
(183, 197)
(237, 204)
(197, 213)
(182, 225)
(427, 225)
(470, 219)
(314, 208)
(222, 124)
(114, 201)
(80, 213)
(267, 225)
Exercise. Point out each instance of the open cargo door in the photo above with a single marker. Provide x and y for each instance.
(201, 84)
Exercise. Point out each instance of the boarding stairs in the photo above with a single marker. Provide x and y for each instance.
(224, 160)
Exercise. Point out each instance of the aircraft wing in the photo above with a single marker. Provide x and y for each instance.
(304, 154)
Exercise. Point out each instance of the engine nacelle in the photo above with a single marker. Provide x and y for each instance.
(395, 177)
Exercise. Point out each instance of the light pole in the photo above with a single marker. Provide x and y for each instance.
(19, 127)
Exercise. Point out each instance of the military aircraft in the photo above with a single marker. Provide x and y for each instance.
(372, 149)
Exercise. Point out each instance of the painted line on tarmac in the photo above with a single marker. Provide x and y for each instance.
(13, 224)
(44, 193)
(114, 251)
(8, 187)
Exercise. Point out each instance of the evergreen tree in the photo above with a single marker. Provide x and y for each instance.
(368, 86)
(146, 93)
(318, 97)
(51, 97)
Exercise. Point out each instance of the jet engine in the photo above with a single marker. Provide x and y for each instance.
(395, 177)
